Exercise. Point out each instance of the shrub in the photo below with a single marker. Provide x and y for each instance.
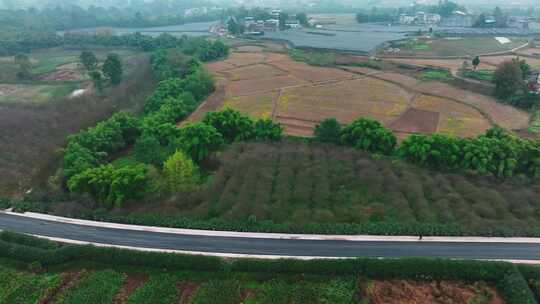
(329, 130)
(266, 129)
(436, 151)
(369, 135)
(218, 292)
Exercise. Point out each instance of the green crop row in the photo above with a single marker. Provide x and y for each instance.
(18, 287)
(507, 277)
(94, 287)
(160, 289)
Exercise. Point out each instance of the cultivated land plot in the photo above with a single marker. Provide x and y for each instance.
(81, 286)
(403, 80)
(455, 118)
(259, 85)
(259, 71)
(503, 115)
(416, 121)
(243, 59)
(257, 105)
(299, 184)
(311, 73)
(345, 100)
(34, 94)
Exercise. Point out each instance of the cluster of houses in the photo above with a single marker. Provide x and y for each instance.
(253, 26)
(420, 18)
(458, 19)
(533, 82)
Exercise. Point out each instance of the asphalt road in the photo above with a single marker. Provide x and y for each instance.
(322, 248)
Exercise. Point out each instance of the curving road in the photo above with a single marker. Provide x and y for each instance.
(268, 246)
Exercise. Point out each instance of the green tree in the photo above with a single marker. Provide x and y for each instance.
(329, 130)
(181, 174)
(508, 79)
(476, 62)
(89, 61)
(232, 124)
(266, 129)
(283, 17)
(302, 19)
(24, 66)
(112, 68)
(198, 140)
(437, 151)
(234, 28)
(109, 185)
(148, 150)
(369, 135)
(97, 80)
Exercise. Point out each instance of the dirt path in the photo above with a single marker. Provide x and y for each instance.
(130, 285)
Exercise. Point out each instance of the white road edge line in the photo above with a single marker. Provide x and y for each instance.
(283, 236)
(241, 255)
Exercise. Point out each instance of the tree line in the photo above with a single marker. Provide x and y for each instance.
(25, 41)
(166, 157)
(497, 152)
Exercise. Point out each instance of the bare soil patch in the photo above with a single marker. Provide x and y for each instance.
(311, 73)
(187, 290)
(417, 121)
(413, 292)
(275, 57)
(455, 118)
(130, 285)
(249, 49)
(218, 66)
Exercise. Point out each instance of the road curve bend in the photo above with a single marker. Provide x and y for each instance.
(260, 245)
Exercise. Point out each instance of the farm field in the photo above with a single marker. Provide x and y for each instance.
(262, 83)
(452, 47)
(450, 64)
(139, 286)
(300, 185)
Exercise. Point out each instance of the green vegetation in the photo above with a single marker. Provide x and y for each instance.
(316, 58)
(20, 287)
(482, 75)
(112, 68)
(181, 173)
(511, 86)
(242, 280)
(535, 123)
(369, 135)
(94, 287)
(329, 130)
(441, 75)
(160, 289)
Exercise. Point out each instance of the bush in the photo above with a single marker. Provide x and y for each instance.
(329, 130)
(266, 129)
(218, 292)
(369, 135)
(198, 140)
(436, 151)
(96, 287)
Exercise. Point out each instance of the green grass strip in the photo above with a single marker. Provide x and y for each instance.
(159, 290)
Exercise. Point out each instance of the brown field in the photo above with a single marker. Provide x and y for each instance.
(404, 80)
(251, 86)
(361, 70)
(416, 121)
(311, 73)
(258, 71)
(256, 106)
(503, 115)
(249, 49)
(265, 84)
(409, 292)
(243, 59)
(455, 118)
(345, 100)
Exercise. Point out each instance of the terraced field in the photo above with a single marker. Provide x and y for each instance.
(262, 83)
